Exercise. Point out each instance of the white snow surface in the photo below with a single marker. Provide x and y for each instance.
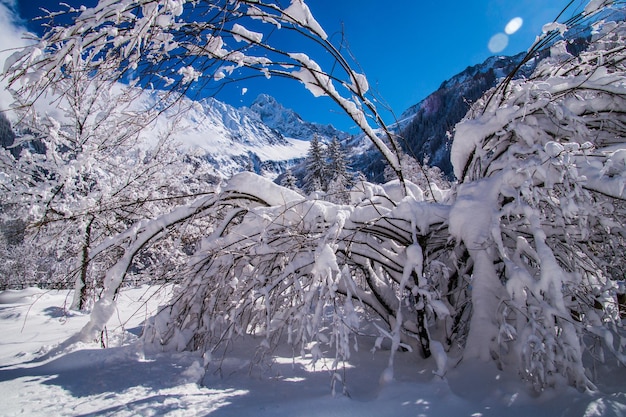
(223, 133)
(40, 376)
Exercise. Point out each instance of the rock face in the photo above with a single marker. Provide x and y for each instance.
(426, 127)
(289, 123)
(427, 133)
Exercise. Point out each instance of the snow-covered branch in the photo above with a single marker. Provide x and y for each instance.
(199, 43)
(541, 203)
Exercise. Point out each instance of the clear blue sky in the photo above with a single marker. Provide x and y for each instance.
(407, 48)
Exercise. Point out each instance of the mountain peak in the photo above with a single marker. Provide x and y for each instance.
(274, 114)
(288, 122)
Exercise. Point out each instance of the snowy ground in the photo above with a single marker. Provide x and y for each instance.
(41, 377)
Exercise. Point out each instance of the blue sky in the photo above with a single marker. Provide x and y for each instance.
(407, 48)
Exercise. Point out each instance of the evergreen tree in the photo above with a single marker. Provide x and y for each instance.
(337, 159)
(315, 177)
(340, 179)
(7, 136)
(289, 180)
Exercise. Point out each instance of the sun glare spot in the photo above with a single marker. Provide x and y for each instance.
(514, 25)
(498, 42)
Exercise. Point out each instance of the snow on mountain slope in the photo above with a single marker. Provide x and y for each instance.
(288, 122)
(266, 136)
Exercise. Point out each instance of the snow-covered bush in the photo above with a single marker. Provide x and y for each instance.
(519, 266)
(306, 272)
(541, 212)
(431, 179)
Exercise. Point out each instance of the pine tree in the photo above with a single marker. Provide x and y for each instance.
(289, 180)
(337, 159)
(340, 179)
(7, 136)
(315, 178)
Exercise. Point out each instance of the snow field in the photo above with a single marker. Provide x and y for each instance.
(39, 376)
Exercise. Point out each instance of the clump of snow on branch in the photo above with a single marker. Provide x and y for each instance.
(241, 34)
(300, 13)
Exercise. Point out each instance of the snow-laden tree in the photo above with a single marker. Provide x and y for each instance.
(340, 179)
(92, 174)
(289, 180)
(327, 171)
(429, 178)
(516, 265)
(315, 176)
(540, 211)
(300, 271)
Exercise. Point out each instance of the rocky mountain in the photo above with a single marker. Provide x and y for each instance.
(288, 122)
(426, 135)
(265, 137)
(426, 128)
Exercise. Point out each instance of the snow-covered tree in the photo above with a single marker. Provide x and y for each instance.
(315, 177)
(541, 212)
(7, 136)
(92, 174)
(289, 180)
(340, 179)
(429, 178)
(327, 171)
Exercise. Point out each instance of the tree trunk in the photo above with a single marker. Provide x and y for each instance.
(81, 291)
(422, 324)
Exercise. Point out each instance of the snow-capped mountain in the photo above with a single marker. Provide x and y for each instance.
(288, 122)
(265, 137)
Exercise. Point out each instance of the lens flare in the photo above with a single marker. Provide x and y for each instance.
(514, 25)
(498, 42)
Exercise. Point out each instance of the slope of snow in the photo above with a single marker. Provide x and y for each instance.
(226, 136)
(234, 138)
(39, 376)
(288, 122)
